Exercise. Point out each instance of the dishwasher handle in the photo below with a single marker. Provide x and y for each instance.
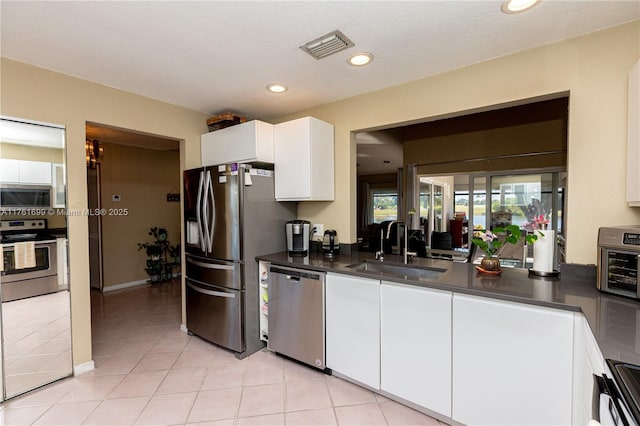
(296, 274)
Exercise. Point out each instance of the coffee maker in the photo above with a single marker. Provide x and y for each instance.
(298, 237)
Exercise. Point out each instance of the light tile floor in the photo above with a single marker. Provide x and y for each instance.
(37, 341)
(148, 372)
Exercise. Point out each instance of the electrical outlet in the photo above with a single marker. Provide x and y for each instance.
(319, 229)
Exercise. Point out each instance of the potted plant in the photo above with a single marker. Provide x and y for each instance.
(153, 250)
(159, 234)
(490, 243)
(157, 266)
(154, 269)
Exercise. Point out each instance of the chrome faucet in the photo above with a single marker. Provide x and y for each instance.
(380, 253)
(394, 246)
(406, 253)
(390, 225)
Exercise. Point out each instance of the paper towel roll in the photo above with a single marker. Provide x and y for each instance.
(543, 251)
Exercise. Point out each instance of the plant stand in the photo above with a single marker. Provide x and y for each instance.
(161, 256)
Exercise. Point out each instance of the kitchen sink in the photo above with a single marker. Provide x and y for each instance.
(398, 270)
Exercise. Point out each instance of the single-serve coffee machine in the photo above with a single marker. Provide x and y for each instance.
(298, 237)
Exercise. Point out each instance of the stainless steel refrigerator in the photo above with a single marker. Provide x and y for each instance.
(230, 217)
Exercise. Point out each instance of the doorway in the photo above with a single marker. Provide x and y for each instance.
(132, 182)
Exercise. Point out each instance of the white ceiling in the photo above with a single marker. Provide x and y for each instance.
(215, 56)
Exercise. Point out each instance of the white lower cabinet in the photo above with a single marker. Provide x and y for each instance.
(415, 328)
(512, 363)
(353, 328)
(588, 360)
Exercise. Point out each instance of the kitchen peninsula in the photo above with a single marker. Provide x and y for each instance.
(472, 348)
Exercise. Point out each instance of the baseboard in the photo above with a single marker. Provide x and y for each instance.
(124, 285)
(83, 368)
(184, 329)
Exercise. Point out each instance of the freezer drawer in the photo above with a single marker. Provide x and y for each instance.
(214, 272)
(215, 314)
(296, 315)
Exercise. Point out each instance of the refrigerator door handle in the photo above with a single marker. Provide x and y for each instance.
(199, 212)
(210, 292)
(209, 265)
(212, 222)
(205, 211)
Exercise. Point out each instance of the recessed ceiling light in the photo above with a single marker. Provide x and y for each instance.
(277, 88)
(360, 59)
(517, 6)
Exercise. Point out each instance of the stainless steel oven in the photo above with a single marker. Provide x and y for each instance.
(18, 281)
(616, 395)
(619, 260)
(28, 282)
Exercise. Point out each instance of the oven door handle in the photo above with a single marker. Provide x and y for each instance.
(606, 397)
(638, 277)
(599, 389)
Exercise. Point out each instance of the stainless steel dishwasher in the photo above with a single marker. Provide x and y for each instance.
(296, 314)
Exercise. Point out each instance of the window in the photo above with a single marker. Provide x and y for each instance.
(384, 204)
(517, 199)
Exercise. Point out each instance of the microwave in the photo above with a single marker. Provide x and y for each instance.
(619, 260)
(17, 196)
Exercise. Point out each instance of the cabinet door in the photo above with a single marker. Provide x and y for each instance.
(37, 172)
(633, 137)
(9, 170)
(58, 185)
(250, 141)
(303, 152)
(292, 149)
(353, 328)
(588, 360)
(415, 330)
(512, 363)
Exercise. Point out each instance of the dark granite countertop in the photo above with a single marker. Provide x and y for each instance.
(614, 320)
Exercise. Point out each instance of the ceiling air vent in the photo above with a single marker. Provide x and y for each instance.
(327, 45)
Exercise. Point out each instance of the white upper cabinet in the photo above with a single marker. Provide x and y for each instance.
(242, 143)
(304, 160)
(633, 138)
(25, 172)
(36, 172)
(58, 185)
(9, 170)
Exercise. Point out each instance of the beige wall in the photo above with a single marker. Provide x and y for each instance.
(592, 68)
(32, 153)
(142, 178)
(35, 94)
